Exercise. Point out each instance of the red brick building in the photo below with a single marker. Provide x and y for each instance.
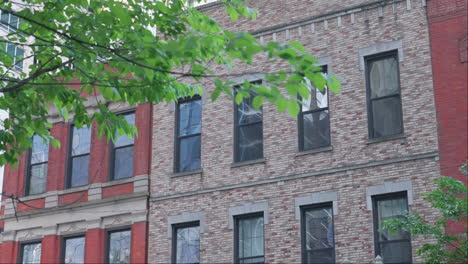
(228, 183)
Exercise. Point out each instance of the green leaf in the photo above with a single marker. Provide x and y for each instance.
(293, 107)
(257, 102)
(333, 84)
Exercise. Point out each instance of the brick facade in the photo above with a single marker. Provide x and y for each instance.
(339, 33)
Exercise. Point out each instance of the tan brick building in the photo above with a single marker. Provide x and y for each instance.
(230, 184)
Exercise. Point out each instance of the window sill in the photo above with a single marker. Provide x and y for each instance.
(387, 138)
(248, 162)
(313, 151)
(186, 173)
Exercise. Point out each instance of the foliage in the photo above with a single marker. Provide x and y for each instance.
(108, 47)
(449, 198)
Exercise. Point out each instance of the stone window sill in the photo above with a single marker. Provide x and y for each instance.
(387, 138)
(314, 151)
(187, 173)
(248, 162)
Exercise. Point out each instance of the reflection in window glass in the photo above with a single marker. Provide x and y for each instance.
(188, 135)
(384, 99)
(314, 119)
(249, 130)
(318, 235)
(187, 246)
(80, 148)
(39, 157)
(74, 250)
(119, 247)
(392, 247)
(123, 153)
(31, 253)
(250, 239)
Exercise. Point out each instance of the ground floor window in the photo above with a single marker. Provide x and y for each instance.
(118, 246)
(249, 239)
(74, 249)
(31, 253)
(186, 243)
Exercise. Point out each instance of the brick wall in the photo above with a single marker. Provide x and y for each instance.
(353, 165)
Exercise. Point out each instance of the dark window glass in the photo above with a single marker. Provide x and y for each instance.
(314, 119)
(9, 21)
(79, 156)
(393, 248)
(74, 250)
(186, 244)
(119, 247)
(37, 173)
(188, 136)
(249, 235)
(248, 130)
(123, 153)
(317, 234)
(31, 253)
(16, 54)
(384, 99)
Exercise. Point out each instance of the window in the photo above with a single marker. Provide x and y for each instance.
(248, 144)
(318, 244)
(30, 253)
(122, 153)
(37, 167)
(80, 146)
(188, 135)
(249, 239)
(74, 250)
(9, 21)
(393, 248)
(383, 95)
(314, 119)
(118, 246)
(186, 243)
(16, 54)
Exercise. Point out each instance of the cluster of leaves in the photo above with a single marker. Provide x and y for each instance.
(449, 198)
(110, 48)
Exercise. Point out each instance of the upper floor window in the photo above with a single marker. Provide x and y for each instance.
(249, 239)
(188, 134)
(393, 248)
(17, 54)
(122, 153)
(9, 21)
(383, 95)
(37, 167)
(118, 246)
(248, 137)
(30, 253)
(318, 244)
(186, 243)
(314, 119)
(80, 146)
(74, 250)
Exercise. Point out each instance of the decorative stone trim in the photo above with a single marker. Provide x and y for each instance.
(116, 221)
(28, 234)
(72, 227)
(379, 48)
(315, 198)
(389, 187)
(248, 208)
(185, 217)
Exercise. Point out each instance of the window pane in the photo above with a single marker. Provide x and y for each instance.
(13, 22)
(320, 257)
(124, 140)
(250, 233)
(37, 179)
(5, 17)
(32, 253)
(319, 228)
(81, 140)
(119, 247)
(188, 245)
(396, 252)
(40, 150)
(250, 140)
(74, 250)
(190, 117)
(253, 260)
(316, 130)
(11, 50)
(80, 167)
(387, 116)
(189, 153)
(387, 209)
(123, 166)
(19, 57)
(316, 100)
(383, 75)
(246, 113)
